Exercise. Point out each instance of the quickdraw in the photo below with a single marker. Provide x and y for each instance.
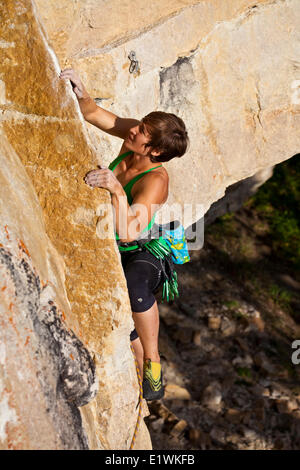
(161, 250)
(134, 64)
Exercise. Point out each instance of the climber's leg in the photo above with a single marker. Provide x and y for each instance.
(139, 354)
(143, 276)
(147, 327)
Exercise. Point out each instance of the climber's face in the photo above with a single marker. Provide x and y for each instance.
(137, 138)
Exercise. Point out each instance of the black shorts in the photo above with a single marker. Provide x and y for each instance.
(144, 275)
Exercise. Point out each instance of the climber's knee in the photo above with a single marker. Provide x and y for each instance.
(140, 295)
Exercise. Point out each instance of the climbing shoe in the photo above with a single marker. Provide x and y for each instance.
(152, 381)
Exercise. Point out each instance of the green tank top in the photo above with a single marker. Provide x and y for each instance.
(127, 188)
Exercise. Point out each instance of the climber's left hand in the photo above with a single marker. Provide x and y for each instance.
(103, 178)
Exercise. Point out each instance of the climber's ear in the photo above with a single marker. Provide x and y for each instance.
(155, 153)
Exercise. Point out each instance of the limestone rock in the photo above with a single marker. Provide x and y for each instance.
(227, 326)
(179, 428)
(65, 313)
(200, 438)
(175, 392)
(46, 372)
(214, 321)
(286, 406)
(231, 75)
(236, 194)
(234, 416)
(212, 396)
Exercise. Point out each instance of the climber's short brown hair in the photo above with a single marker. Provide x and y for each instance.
(168, 135)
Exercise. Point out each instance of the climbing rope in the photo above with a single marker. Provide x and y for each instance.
(140, 399)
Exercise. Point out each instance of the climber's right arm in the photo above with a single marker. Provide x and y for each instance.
(99, 117)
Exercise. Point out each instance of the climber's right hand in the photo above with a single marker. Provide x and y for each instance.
(78, 87)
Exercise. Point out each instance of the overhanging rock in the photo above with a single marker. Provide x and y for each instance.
(229, 69)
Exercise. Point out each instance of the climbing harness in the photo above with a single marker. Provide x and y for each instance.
(140, 400)
(161, 251)
(170, 248)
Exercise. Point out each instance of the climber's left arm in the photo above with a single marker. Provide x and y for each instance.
(124, 215)
(150, 193)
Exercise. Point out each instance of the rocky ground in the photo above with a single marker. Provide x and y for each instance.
(226, 345)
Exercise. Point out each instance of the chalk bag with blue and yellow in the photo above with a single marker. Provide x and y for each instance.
(170, 247)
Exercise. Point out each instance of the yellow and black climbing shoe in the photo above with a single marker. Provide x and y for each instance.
(152, 381)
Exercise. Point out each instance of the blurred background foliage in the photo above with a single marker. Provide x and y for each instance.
(278, 201)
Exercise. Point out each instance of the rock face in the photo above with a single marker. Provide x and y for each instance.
(237, 194)
(65, 313)
(232, 75)
(46, 373)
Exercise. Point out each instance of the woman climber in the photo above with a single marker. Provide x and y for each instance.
(138, 184)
